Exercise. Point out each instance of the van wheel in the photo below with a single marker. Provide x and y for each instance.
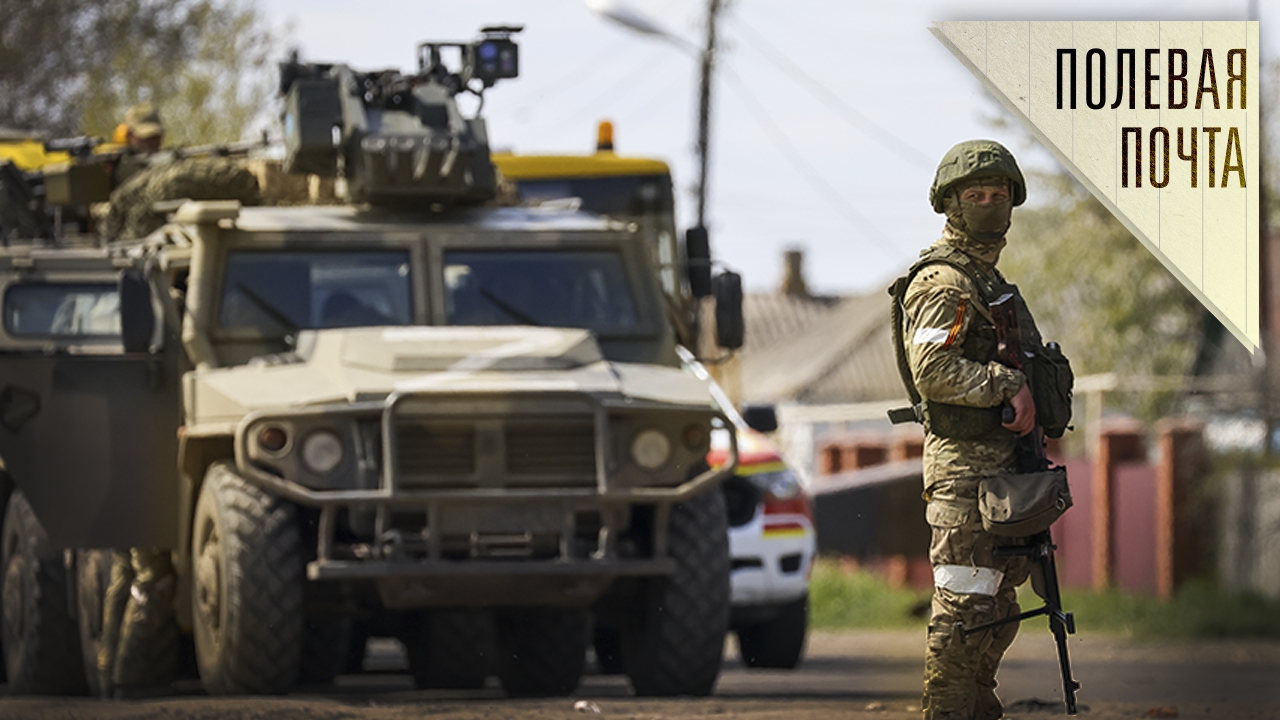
(674, 644)
(41, 641)
(450, 649)
(779, 642)
(542, 652)
(248, 579)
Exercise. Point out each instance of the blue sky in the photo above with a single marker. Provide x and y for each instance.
(831, 148)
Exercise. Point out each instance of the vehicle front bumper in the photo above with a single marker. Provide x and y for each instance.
(394, 493)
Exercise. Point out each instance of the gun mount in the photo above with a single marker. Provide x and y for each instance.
(398, 138)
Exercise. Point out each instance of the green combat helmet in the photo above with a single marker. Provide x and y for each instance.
(976, 158)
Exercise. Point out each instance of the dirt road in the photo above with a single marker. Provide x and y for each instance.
(847, 675)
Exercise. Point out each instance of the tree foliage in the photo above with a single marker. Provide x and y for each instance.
(75, 66)
(1099, 293)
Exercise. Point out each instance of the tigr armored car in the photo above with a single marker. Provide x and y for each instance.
(473, 419)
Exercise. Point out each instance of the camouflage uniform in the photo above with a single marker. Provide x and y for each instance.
(942, 304)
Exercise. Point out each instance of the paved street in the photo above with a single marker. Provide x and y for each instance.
(847, 675)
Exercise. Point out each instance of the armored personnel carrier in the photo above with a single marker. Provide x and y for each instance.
(420, 411)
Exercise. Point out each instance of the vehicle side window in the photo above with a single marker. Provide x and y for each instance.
(78, 310)
(297, 290)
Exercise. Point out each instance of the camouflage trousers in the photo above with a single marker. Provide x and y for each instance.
(139, 630)
(971, 587)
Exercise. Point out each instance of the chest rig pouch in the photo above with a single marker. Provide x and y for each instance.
(1048, 370)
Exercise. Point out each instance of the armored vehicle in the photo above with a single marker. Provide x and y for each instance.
(420, 411)
(771, 535)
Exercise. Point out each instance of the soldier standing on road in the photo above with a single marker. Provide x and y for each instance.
(138, 653)
(950, 346)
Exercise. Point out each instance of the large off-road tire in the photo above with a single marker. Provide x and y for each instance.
(248, 577)
(41, 640)
(674, 644)
(450, 649)
(779, 642)
(542, 652)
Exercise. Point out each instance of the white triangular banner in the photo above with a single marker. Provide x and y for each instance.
(1183, 80)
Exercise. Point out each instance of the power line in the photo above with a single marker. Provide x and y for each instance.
(573, 79)
(833, 197)
(623, 84)
(831, 99)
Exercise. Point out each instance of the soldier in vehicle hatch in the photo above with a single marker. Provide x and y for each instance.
(951, 349)
(142, 133)
(140, 180)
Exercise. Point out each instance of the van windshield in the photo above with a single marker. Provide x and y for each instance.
(559, 288)
(282, 292)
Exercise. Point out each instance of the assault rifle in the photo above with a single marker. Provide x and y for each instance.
(1031, 458)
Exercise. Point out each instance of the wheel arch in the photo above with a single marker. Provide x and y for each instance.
(195, 456)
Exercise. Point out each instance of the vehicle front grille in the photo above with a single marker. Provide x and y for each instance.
(528, 451)
(436, 448)
(551, 448)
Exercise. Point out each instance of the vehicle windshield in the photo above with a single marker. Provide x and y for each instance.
(282, 292)
(558, 288)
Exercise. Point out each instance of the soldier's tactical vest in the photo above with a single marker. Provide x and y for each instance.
(1047, 368)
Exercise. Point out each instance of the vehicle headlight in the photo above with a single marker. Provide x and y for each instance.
(651, 449)
(322, 451)
(273, 438)
(778, 485)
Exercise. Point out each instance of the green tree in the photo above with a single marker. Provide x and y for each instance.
(1099, 293)
(75, 66)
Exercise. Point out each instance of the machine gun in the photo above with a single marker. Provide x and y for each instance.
(92, 172)
(1039, 548)
(397, 138)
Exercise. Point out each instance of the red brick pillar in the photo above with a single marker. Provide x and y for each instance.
(906, 445)
(1118, 440)
(829, 459)
(1181, 465)
(863, 452)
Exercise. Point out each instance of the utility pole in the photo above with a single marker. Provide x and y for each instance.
(704, 108)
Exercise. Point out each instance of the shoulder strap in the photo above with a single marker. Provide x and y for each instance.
(898, 291)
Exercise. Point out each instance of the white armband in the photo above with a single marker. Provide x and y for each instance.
(967, 580)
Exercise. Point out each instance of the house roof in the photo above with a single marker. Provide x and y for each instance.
(819, 350)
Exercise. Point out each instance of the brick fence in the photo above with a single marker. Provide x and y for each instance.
(1136, 521)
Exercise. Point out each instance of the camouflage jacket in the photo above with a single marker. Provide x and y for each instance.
(941, 303)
